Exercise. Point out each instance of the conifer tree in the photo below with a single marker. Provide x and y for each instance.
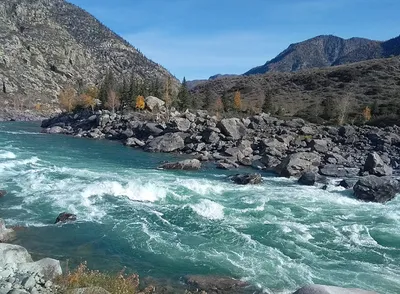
(267, 106)
(207, 103)
(227, 102)
(184, 99)
(124, 94)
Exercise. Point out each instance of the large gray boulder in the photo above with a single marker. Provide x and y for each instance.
(376, 189)
(214, 284)
(55, 130)
(181, 124)
(48, 267)
(338, 171)
(298, 163)
(308, 179)
(322, 289)
(232, 127)
(153, 103)
(13, 254)
(167, 143)
(374, 165)
(5, 234)
(188, 164)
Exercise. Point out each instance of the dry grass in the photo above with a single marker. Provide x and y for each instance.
(301, 93)
(82, 277)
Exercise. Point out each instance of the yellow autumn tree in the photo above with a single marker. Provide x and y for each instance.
(67, 99)
(87, 101)
(367, 113)
(237, 101)
(140, 104)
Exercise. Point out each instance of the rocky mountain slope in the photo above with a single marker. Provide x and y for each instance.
(324, 51)
(362, 82)
(45, 44)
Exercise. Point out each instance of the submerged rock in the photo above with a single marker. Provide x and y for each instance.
(246, 179)
(308, 179)
(3, 193)
(376, 189)
(321, 289)
(65, 217)
(188, 164)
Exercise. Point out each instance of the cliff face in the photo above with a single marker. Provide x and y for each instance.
(45, 44)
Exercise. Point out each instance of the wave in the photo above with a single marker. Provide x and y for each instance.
(7, 155)
(208, 209)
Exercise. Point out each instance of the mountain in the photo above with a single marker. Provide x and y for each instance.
(46, 44)
(302, 92)
(325, 51)
(194, 83)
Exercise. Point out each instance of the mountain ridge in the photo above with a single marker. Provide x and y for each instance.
(327, 50)
(47, 44)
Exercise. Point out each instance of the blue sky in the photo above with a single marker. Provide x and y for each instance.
(200, 38)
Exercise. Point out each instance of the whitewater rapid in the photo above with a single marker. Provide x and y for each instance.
(278, 235)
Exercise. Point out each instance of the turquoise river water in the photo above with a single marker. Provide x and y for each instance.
(278, 236)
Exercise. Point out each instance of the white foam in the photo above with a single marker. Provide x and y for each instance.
(209, 209)
(7, 155)
(202, 187)
(137, 191)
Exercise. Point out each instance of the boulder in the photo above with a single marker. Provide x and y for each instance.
(376, 189)
(232, 127)
(13, 254)
(321, 289)
(3, 193)
(55, 130)
(346, 131)
(189, 164)
(308, 179)
(211, 137)
(374, 165)
(246, 179)
(5, 233)
(48, 267)
(181, 124)
(65, 217)
(214, 284)
(153, 103)
(152, 129)
(338, 171)
(320, 146)
(167, 143)
(297, 163)
(348, 183)
(134, 142)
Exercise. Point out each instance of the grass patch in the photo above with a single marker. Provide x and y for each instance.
(82, 277)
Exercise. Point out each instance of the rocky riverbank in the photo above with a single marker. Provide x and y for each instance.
(288, 148)
(7, 114)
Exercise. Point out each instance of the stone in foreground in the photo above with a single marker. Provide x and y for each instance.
(188, 164)
(90, 290)
(13, 254)
(321, 289)
(65, 217)
(247, 179)
(152, 103)
(376, 189)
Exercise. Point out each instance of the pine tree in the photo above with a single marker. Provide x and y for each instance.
(227, 102)
(107, 86)
(184, 100)
(267, 106)
(375, 108)
(124, 94)
(207, 102)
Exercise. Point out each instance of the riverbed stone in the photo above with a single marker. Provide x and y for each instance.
(322, 289)
(376, 189)
(188, 164)
(167, 143)
(297, 163)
